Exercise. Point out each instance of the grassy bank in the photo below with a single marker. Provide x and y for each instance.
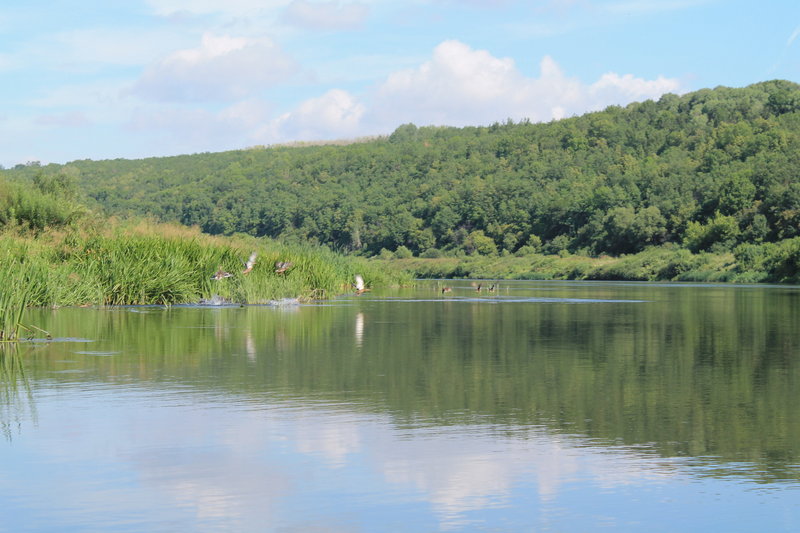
(147, 263)
(749, 263)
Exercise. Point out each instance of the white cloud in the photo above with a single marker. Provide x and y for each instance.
(221, 68)
(84, 48)
(91, 96)
(205, 7)
(643, 7)
(326, 15)
(88, 50)
(70, 119)
(458, 86)
(334, 115)
(612, 88)
(170, 130)
(461, 86)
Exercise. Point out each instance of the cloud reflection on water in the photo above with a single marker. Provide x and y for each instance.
(282, 463)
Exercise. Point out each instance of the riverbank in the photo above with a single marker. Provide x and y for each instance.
(750, 263)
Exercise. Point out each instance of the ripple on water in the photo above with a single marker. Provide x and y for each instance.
(63, 339)
(504, 300)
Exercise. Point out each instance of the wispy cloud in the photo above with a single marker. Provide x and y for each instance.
(326, 15)
(793, 36)
(70, 119)
(639, 7)
(205, 7)
(221, 68)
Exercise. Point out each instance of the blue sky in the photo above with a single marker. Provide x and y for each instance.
(98, 79)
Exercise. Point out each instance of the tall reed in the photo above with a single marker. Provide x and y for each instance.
(165, 264)
(14, 298)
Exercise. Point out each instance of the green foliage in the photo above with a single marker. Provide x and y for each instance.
(560, 243)
(477, 242)
(45, 206)
(431, 253)
(777, 262)
(721, 230)
(748, 264)
(403, 253)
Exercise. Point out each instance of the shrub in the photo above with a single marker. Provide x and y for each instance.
(432, 253)
(403, 253)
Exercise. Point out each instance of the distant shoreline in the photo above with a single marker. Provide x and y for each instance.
(666, 263)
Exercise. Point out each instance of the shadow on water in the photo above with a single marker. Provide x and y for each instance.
(703, 372)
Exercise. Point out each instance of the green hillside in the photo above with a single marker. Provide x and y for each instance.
(709, 170)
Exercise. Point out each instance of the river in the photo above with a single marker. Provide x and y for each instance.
(539, 406)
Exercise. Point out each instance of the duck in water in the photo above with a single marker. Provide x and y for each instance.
(446, 290)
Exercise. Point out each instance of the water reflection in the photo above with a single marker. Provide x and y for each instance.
(551, 408)
(16, 404)
(359, 329)
(217, 466)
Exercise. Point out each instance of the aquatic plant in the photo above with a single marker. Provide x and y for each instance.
(14, 299)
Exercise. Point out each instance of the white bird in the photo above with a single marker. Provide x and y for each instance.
(359, 285)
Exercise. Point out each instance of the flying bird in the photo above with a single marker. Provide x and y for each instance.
(248, 266)
(282, 266)
(359, 285)
(221, 274)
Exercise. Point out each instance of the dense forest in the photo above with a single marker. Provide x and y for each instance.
(714, 170)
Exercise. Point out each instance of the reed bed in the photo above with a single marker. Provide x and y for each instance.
(14, 298)
(147, 263)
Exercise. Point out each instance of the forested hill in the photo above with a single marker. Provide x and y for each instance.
(707, 170)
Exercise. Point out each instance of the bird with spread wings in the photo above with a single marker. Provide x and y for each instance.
(359, 285)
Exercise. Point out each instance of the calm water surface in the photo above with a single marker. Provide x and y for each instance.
(543, 406)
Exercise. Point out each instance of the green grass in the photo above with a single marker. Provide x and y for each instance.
(144, 263)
